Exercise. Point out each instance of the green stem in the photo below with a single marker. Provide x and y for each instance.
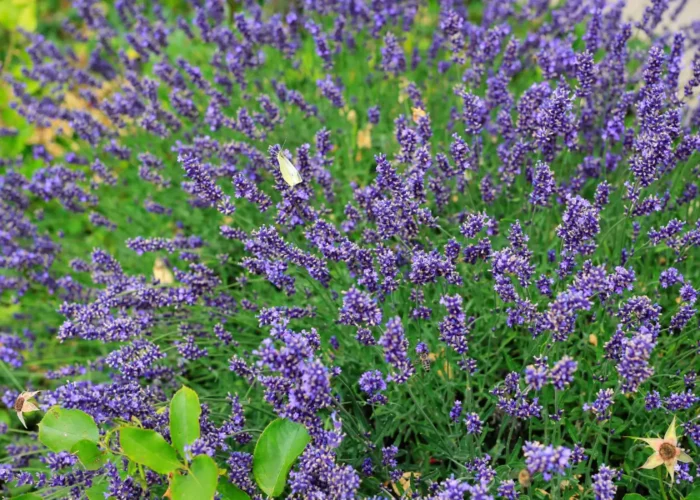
(661, 483)
(8, 55)
(11, 376)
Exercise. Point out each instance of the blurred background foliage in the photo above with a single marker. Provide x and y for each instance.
(46, 17)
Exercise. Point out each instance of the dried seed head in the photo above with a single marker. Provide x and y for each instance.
(524, 478)
(667, 451)
(19, 403)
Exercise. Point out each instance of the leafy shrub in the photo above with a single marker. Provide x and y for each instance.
(393, 249)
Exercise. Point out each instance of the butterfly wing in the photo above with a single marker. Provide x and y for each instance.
(289, 172)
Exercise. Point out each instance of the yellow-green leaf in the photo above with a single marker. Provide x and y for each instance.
(147, 447)
(230, 492)
(97, 491)
(61, 428)
(184, 418)
(200, 481)
(275, 452)
(89, 454)
(18, 14)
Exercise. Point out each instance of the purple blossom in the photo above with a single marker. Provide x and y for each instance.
(506, 489)
(372, 382)
(393, 57)
(546, 459)
(633, 365)
(562, 373)
(600, 407)
(670, 277)
(543, 185)
(604, 483)
(580, 224)
(331, 91)
(389, 456)
(473, 423)
(454, 328)
(395, 346)
(456, 411)
(359, 309)
(373, 114)
(536, 375)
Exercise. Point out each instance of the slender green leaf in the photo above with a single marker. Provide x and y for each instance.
(89, 454)
(60, 428)
(27, 496)
(199, 483)
(275, 452)
(231, 492)
(147, 447)
(184, 418)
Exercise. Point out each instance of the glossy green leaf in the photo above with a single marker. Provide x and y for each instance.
(199, 483)
(97, 491)
(633, 496)
(275, 452)
(60, 428)
(231, 492)
(147, 447)
(26, 15)
(693, 495)
(89, 454)
(184, 418)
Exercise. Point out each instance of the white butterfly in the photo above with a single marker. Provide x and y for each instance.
(162, 273)
(290, 174)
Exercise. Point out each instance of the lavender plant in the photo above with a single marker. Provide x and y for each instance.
(392, 249)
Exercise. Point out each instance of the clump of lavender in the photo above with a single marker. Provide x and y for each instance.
(373, 384)
(604, 483)
(546, 459)
(509, 190)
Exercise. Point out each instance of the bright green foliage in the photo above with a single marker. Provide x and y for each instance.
(277, 449)
(199, 483)
(18, 14)
(89, 454)
(230, 492)
(694, 495)
(147, 447)
(184, 418)
(97, 491)
(61, 429)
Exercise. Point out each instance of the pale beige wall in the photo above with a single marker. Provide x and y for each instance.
(690, 13)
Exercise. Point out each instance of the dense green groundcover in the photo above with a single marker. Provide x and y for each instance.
(482, 286)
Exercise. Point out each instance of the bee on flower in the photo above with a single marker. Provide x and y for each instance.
(24, 405)
(666, 451)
